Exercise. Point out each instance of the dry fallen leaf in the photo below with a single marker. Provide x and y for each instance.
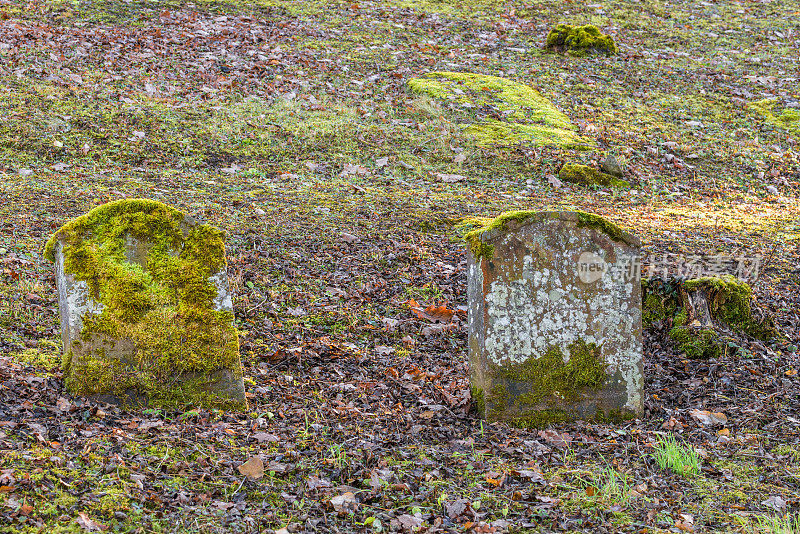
(252, 468)
(86, 523)
(432, 313)
(709, 418)
(449, 177)
(345, 502)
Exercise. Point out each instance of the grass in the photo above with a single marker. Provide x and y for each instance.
(608, 487)
(682, 459)
(267, 168)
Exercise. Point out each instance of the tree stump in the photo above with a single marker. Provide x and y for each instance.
(705, 316)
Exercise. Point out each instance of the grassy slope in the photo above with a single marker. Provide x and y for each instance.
(246, 114)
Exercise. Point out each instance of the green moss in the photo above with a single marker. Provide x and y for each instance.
(540, 418)
(527, 116)
(730, 301)
(656, 308)
(474, 228)
(496, 401)
(550, 383)
(580, 40)
(789, 119)
(585, 175)
(590, 220)
(548, 376)
(697, 343)
(478, 399)
(165, 309)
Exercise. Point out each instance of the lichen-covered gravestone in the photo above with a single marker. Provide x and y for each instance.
(146, 314)
(555, 319)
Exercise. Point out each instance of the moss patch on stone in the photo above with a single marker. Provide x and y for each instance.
(550, 382)
(165, 309)
(520, 114)
(585, 175)
(659, 302)
(474, 228)
(549, 376)
(580, 40)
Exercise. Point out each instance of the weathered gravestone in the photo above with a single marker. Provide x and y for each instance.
(555, 320)
(146, 315)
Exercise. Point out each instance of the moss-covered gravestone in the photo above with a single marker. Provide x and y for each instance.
(146, 315)
(555, 319)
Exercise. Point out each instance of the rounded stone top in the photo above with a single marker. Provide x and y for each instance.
(513, 220)
(155, 218)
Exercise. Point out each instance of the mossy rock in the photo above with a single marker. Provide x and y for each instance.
(145, 311)
(580, 40)
(585, 175)
(517, 114)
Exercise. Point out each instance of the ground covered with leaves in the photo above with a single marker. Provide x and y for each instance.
(292, 126)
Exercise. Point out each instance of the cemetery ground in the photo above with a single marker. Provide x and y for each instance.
(292, 126)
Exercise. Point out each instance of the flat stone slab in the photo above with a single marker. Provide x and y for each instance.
(555, 319)
(146, 313)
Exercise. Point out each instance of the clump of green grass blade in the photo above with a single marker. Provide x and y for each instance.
(778, 525)
(670, 454)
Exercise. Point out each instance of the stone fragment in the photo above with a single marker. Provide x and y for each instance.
(555, 319)
(585, 175)
(146, 314)
(612, 166)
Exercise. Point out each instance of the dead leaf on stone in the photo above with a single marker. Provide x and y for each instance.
(88, 524)
(450, 178)
(261, 437)
(345, 502)
(776, 502)
(709, 418)
(252, 468)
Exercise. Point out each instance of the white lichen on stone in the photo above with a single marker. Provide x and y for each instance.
(74, 300)
(222, 300)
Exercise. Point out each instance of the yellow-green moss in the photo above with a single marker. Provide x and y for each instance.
(659, 302)
(549, 376)
(475, 227)
(585, 175)
(580, 40)
(730, 301)
(478, 398)
(699, 343)
(550, 381)
(789, 119)
(526, 116)
(165, 309)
